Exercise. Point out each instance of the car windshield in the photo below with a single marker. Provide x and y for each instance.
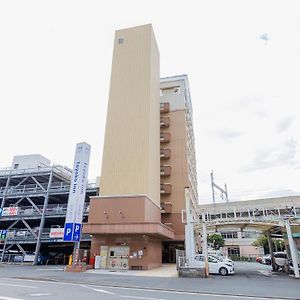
(216, 257)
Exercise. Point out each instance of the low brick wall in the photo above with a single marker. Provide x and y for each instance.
(191, 272)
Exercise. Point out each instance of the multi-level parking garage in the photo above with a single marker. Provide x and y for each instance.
(32, 216)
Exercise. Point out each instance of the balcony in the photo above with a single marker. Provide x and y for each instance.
(165, 188)
(165, 153)
(164, 122)
(165, 170)
(166, 207)
(164, 107)
(165, 137)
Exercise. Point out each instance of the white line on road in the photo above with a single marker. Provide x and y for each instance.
(267, 273)
(157, 290)
(22, 286)
(103, 291)
(196, 293)
(9, 298)
(97, 290)
(40, 294)
(144, 298)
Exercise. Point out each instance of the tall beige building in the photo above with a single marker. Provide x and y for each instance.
(131, 147)
(148, 159)
(125, 220)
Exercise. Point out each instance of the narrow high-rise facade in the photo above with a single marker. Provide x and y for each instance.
(178, 160)
(131, 148)
(125, 220)
(148, 160)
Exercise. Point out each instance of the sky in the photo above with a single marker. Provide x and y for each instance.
(55, 62)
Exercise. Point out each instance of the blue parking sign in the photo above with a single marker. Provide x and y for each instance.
(68, 233)
(77, 232)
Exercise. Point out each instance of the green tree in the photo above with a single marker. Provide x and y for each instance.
(262, 241)
(216, 240)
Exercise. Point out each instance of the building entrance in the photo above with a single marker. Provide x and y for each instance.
(169, 251)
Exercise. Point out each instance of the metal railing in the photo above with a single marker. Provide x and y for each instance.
(262, 214)
(52, 209)
(39, 188)
(25, 234)
(43, 169)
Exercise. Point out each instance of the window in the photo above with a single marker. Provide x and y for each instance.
(212, 260)
(170, 90)
(229, 235)
(234, 251)
(199, 258)
(250, 234)
(16, 166)
(120, 41)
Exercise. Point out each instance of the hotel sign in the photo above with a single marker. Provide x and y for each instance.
(73, 225)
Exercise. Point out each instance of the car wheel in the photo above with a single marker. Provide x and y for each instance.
(223, 271)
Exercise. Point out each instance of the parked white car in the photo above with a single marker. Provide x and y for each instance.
(222, 258)
(216, 266)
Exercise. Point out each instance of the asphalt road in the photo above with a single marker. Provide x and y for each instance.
(21, 289)
(251, 281)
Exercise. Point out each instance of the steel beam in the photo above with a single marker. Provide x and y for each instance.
(29, 228)
(21, 248)
(42, 223)
(5, 190)
(33, 178)
(32, 203)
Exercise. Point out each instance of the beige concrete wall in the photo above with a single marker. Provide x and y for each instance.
(130, 164)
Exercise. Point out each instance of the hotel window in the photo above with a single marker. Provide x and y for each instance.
(229, 235)
(233, 251)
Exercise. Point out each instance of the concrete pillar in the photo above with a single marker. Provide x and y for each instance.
(292, 247)
(189, 232)
(274, 267)
(204, 246)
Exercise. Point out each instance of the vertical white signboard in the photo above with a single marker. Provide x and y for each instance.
(75, 209)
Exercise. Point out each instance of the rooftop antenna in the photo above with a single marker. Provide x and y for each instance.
(214, 186)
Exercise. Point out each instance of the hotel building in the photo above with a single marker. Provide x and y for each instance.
(148, 160)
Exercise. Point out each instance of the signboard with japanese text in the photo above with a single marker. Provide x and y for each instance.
(73, 224)
(56, 233)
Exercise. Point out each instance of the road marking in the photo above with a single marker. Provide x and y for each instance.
(97, 290)
(144, 298)
(9, 298)
(139, 297)
(199, 293)
(103, 291)
(267, 273)
(54, 269)
(40, 294)
(16, 285)
(152, 290)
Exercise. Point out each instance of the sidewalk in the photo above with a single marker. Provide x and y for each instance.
(167, 270)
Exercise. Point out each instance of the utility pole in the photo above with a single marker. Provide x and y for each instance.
(224, 191)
